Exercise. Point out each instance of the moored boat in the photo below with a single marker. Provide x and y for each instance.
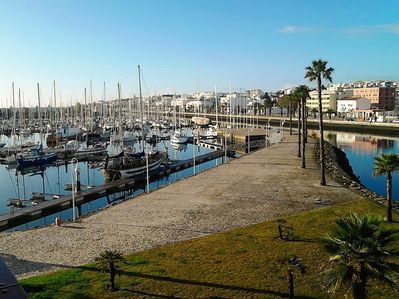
(178, 137)
(127, 165)
(36, 157)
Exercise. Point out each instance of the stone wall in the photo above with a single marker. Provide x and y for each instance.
(338, 166)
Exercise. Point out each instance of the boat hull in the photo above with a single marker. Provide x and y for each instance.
(178, 140)
(36, 161)
(125, 173)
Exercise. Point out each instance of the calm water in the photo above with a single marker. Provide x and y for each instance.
(360, 151)
(14, 184)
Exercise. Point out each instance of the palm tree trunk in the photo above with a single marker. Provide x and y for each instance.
(290, 109)
(322, 160)
(291, 283)
(359, 291)
(359, 288)
(299, 129)
(112, 275)
(389, 197)
(305, 120)
(303, 133)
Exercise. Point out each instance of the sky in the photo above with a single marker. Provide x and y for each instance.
(189, 45)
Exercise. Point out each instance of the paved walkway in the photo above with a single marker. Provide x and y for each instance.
(257, 187)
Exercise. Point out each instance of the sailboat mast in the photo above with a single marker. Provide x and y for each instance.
(141, 109)
(120, 109)
(20, 109)
(91, 104)
(216, 103)
(102, 104)
(55, 107)
(230, 106)
(120, 113)
(14, 111)
(39, 114)
(85, 111)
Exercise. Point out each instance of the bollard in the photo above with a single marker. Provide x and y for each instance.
(78, 186)
(57, 221)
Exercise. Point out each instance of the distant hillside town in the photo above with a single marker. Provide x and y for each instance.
(359, 99)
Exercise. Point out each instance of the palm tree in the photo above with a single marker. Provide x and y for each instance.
(297, 99)
(359, 247)
(302, 93)
(290, 100)
(316, 71)
(294, 263)
(386, 164)
(108, 261)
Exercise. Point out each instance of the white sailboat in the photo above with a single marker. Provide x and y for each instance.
(178, 136)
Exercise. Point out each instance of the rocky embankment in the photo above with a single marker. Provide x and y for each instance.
(337, 164)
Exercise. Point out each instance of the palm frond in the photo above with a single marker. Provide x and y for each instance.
(359, 247)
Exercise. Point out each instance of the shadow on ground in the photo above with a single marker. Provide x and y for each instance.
(194, 283)
(21, 266)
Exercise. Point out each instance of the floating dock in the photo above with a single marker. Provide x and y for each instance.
(64, 202)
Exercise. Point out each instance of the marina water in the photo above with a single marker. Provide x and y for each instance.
(52, 180)
(360, 150)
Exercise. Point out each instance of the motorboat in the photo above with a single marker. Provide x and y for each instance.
(129, 136)
(67, 132)
(209, 133)
(178, 137)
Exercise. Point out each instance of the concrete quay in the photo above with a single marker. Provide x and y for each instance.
(262, 185)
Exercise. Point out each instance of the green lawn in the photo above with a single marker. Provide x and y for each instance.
(242, 263)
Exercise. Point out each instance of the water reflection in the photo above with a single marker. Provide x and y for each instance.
(361, 143)
(360, 150)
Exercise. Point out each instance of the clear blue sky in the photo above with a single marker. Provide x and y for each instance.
(252, 44)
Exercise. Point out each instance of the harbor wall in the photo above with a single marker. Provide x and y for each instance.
(338, 166)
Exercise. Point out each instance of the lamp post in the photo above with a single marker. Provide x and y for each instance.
(267, 132)
(147, 171)
(193, 153)
(281, 130)
(75, 162)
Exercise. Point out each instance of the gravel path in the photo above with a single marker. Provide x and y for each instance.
(257, 187)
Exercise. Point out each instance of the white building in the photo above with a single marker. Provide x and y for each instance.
(255, 93)
(355, 107)
(346, 105)
(182, 101)
(329, 98)
(236, 99)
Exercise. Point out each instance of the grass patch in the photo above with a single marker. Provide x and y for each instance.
(242, 263)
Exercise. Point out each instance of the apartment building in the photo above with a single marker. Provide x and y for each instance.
(380, 97)
(329, 98)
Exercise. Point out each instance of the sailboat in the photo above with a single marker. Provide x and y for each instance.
(36, 156)
(127, 164)
(178, 136)
(130, 164)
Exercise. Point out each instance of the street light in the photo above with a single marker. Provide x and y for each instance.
(147, 173)
(194, 154)
(74, 161)
(267, 132)
(281, 130)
